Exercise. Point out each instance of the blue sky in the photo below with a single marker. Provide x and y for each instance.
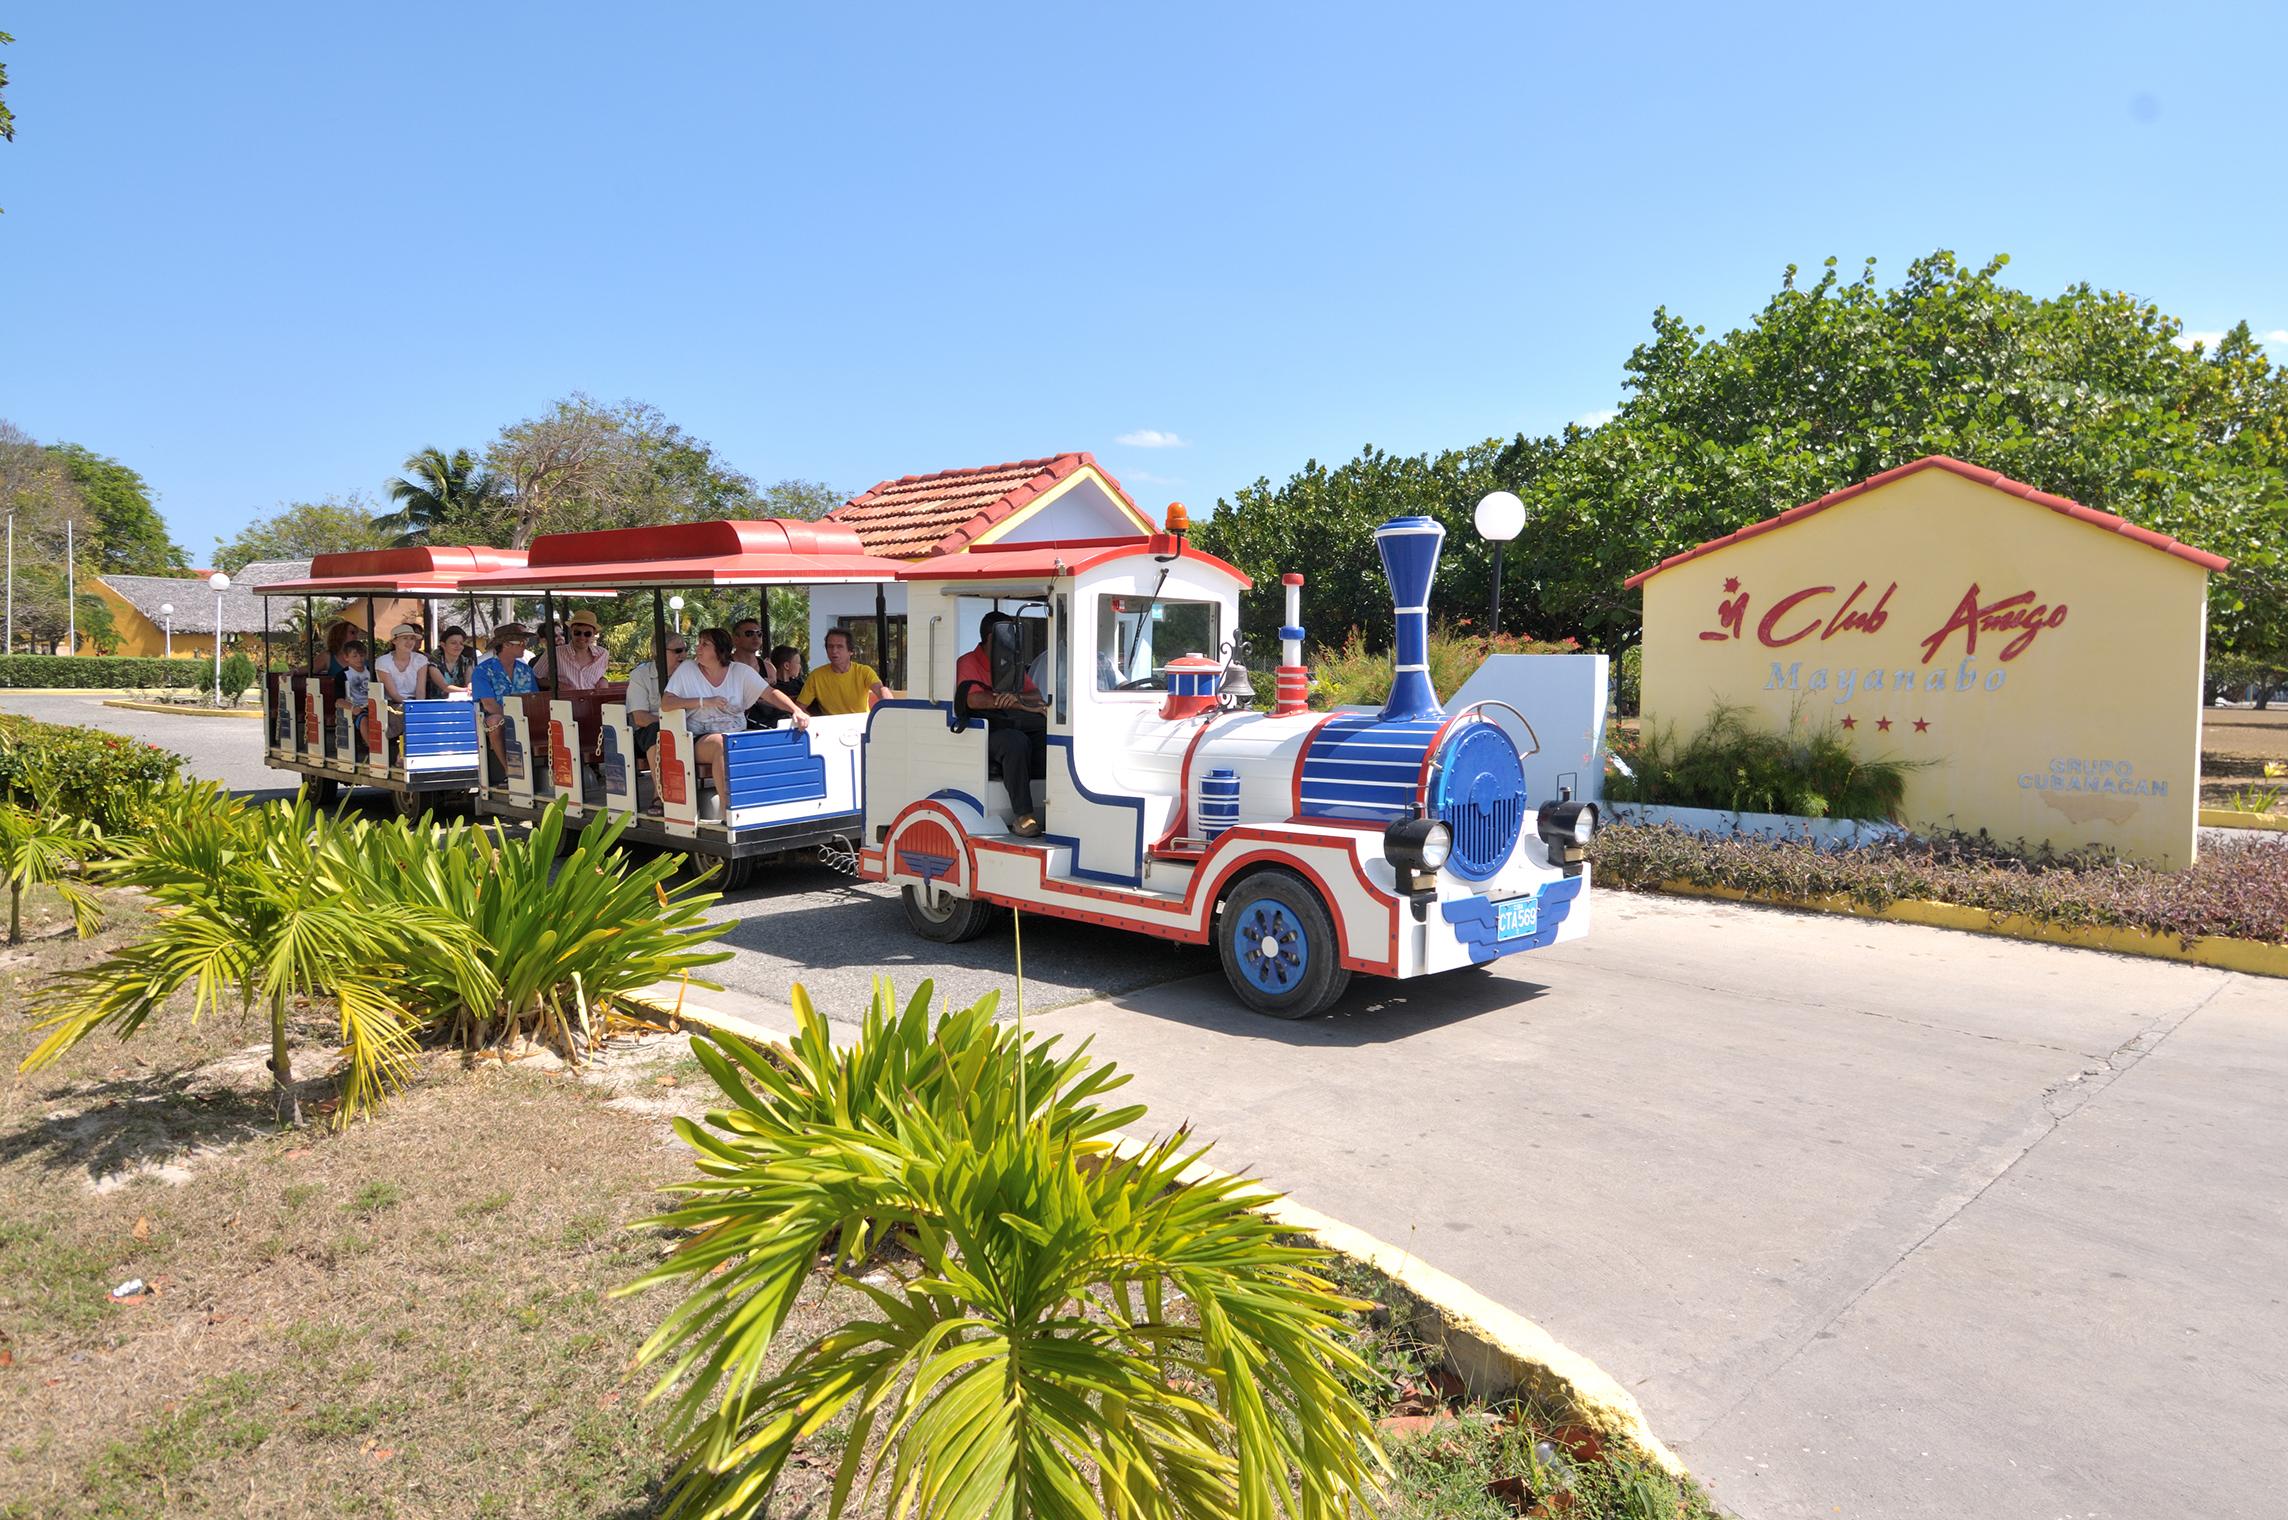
(262, 252)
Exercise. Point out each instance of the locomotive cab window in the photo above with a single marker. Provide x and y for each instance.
(1137, 635)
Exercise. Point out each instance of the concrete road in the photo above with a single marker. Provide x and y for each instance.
(1874, 1220)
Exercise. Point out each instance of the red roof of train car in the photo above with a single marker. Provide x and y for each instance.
(426, 570)
(776, 550)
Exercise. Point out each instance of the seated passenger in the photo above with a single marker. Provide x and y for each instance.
(716, 691)
(786, 660)
(449, 673)
(497, 677)
(579, 663)
(986, 682)
(644, 699)
(841, 685)
(355, 686)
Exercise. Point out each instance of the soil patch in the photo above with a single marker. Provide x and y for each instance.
(2236, 744)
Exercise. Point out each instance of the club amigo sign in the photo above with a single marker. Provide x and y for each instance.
(2043, 660)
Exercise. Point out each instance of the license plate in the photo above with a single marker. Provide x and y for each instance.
(1518, 918)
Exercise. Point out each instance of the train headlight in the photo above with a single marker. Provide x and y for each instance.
(1417, 844)
(1566, 828)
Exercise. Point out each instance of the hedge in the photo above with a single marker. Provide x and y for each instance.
(32, 672)
(2238, 889)
(97, 775)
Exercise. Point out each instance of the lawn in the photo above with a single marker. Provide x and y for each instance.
(407, 1319)
(2236, 744)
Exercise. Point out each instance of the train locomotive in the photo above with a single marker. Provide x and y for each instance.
(1305, 846)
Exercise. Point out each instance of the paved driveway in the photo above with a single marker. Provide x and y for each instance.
(1874, 1220)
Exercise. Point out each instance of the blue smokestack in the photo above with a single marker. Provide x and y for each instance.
(1409, 547)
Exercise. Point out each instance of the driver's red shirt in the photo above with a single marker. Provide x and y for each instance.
(977, 665)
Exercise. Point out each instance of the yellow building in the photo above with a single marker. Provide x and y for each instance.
(2041, 660)
(138, 617)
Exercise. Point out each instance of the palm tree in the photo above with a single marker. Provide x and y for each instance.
(436, 488)
(41, 847)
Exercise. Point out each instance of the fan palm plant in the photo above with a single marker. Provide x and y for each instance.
(41, 846)
(262, 906)
(1024, 1354)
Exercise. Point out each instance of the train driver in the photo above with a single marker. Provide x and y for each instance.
(989, 682)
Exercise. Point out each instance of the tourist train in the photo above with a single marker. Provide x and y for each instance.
(1146, 790)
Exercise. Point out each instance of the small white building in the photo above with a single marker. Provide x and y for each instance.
(1065, 498)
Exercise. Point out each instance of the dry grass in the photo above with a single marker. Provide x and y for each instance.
(2235, 745)
(406, 1319)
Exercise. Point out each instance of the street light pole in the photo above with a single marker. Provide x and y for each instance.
(71, 594)
(10, 646)
(1500, 517)
(221, 583)
(167, 621)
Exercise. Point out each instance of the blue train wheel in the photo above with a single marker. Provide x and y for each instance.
(1279, 949)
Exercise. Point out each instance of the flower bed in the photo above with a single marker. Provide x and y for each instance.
(2238, 890)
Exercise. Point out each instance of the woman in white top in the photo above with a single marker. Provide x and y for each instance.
(401, 674)
(716, 692)
(402, 671)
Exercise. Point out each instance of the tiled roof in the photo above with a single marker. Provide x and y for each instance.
(1999, 482)
(920, 515)
(194, 600)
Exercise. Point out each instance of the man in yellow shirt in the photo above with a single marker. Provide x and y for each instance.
(840, 685)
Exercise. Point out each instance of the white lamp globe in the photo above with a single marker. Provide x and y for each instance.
(219, 581)
(675, 604)
(166, 609)
(1499, 517)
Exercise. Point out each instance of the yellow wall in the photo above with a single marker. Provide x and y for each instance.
(139, 636)
(2089, 734)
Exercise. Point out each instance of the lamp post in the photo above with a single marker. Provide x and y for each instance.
(221, 583)
(9, 646)
(675, 605)
(71, 594)
(1500, 517)
(167, 624)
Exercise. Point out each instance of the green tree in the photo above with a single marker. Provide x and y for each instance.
(440, 492)
(301, 529)
(129, 536)
(2090, 394)
(7, 117)
(582, 464)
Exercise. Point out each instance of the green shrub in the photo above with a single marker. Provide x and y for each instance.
(82, 772)
(1355, 676)
(1053, 1331)
(1732, 764)
(237, 677)
(1628, 682)
(34, 672)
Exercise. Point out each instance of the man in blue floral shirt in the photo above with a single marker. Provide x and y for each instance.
(499, 676)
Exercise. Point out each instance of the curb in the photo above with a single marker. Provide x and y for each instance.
(2253, 957)
(185, 711)
(1498, 1353)
(2233, 818)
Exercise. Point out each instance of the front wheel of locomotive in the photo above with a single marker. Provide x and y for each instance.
(945, 918)
(1279, 948)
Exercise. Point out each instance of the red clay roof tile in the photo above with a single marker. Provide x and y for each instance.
(915, 516)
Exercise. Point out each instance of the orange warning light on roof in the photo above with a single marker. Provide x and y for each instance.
(1179, 520)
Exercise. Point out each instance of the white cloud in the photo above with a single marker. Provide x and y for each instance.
(2206, 339)
(2277, 335)
(1151, 438)
(1597, 419)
